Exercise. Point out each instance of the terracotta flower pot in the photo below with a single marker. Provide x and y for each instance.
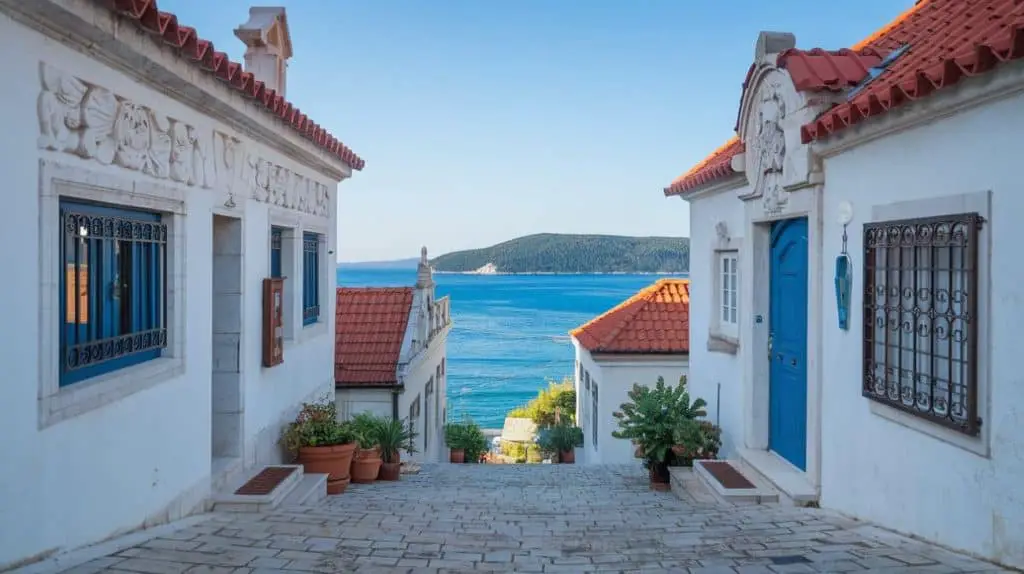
(366, 465)
(659, 475)
(390, 471)
(334, 461)
(457, 456)
(567, 457)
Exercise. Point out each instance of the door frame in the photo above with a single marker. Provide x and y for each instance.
(755, 271)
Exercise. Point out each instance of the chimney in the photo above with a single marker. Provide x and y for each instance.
(268, 45)
(424, 274)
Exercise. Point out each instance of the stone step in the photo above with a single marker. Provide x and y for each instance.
(310, 491)
(228, 500)
(769, 469)
(754, 491)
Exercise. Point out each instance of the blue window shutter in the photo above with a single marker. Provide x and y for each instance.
(310, 278)
(276, 242)
(112, 289)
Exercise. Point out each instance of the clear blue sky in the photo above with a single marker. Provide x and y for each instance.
(484, 120)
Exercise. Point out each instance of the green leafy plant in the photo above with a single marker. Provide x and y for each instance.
(558, 401)
(366, 428)
(696, 440)
(394, 435)
(468, 436)
(652, 416)
(316, 424)
(560, 438)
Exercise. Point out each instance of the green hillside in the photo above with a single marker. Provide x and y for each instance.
(562, 253)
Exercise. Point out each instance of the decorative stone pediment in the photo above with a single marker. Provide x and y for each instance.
(92, 122)
(771, 113)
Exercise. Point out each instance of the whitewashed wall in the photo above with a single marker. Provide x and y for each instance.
(892, 469)
(712, 363)
(425, 365)
(615, 379)
(354, 401)
(83, 470)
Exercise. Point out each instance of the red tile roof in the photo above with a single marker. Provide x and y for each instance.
(817, 69)
(371, 324)
(189, 45)
(716, 166)
(948, 40)
(654, 321)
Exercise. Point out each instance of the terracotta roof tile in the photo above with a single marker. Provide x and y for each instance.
(716, 166)
(201, 53)
(817, 69)
(371, 323)
(654, 321)
(948, 40)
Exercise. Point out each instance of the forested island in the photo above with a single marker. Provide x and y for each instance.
(565, 253)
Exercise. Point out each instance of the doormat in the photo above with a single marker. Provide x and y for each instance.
(727, 475)
(266, 481)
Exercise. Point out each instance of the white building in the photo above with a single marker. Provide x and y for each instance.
(637, 341)
(390, 357)
(154, 186)
(907, 412)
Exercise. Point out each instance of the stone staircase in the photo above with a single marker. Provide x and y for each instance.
(740, 482)
(271, 487)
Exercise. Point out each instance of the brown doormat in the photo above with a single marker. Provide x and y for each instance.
(266, 481)
(727, 476)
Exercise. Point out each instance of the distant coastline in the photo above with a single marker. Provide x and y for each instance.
(655, 273)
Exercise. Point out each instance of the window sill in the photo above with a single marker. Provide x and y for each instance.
(719, 343)
(312, 331)
(98, 392)
(975, 445)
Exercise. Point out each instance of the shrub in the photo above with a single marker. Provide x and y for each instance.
(560, 438)
(557, 398)
(652, 416)
(468, 436)
(316, 424)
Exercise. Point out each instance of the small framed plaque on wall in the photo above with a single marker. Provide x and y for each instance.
(273, 321)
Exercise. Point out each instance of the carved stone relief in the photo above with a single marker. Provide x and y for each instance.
(273, 184)
(94, 123)
(768, 149)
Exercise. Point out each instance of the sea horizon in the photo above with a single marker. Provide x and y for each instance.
(510, 333)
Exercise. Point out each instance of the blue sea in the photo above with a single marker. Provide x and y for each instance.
(510, 332)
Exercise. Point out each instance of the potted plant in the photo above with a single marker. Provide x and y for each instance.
(366, 462)
(561, 439)
(696, 440)
(650, 420)
(393, 435)
(322, 444)
(454, 434)
(466, 441)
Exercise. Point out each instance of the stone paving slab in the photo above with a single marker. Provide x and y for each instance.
(536, 518)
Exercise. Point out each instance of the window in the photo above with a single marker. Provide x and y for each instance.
(920, 318)
(414, 413)
(426, 417)
(728, 287)
(585, 401)
(437, 393)
(276, 242)
(593, 414)
(310, 278)
(114, 289)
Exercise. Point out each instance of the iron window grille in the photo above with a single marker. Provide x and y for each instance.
(113, 285)
(276, 243)
(920, 318)
(311, 278)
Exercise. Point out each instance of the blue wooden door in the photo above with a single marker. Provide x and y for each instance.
(788, 343)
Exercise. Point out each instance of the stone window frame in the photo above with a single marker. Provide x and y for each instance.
(980, 203)
(721, 338)
(290, 241)
(59, 180)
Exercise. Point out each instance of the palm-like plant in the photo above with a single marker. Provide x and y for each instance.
(652, 416)
(393, 435)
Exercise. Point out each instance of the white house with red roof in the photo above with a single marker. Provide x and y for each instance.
(637, 341)
(390, 355)
(159, 188)
(869, 358)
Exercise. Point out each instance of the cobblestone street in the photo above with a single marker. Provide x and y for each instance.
(538, 518)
